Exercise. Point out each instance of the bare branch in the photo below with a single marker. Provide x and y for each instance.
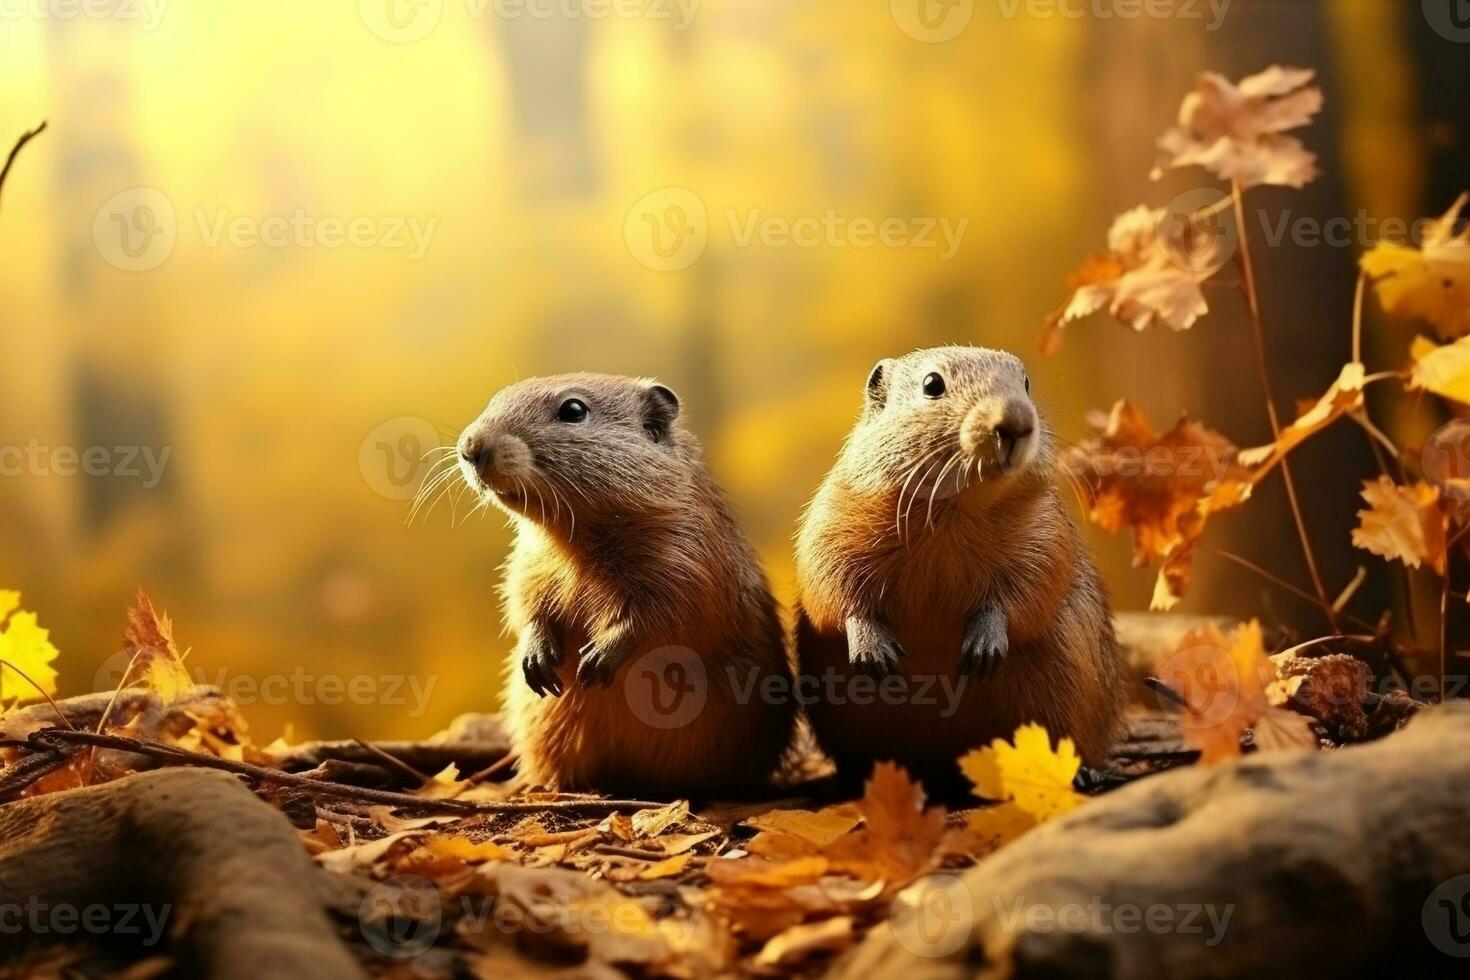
(25, 138)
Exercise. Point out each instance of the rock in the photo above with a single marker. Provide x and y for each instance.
(194, 861)
(1354, 862)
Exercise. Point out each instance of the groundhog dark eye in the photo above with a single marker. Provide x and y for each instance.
(933, 385)
(571, 410)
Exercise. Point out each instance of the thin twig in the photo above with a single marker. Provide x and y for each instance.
(25, 138)
(54, 739)
(1281, 583)
(393, 762)
(1253, 302)
(7, 665)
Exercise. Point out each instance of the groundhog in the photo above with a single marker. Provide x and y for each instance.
(939, 556)
(627, 555)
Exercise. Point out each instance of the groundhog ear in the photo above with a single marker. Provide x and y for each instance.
(877, 393)
(660, 408)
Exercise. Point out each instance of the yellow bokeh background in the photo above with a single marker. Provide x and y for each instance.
(290, 383)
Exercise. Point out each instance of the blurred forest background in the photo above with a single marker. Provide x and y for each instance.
(293, 383)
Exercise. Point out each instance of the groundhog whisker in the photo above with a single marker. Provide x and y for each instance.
(914, 497)
(449, 451)
(903, 488)
(938, 482)
(431, 486)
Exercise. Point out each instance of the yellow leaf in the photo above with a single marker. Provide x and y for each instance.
(1402, 523)
(1432, 283)
(160, 665)
(820, 827)
(9, 602)
(1444, 370)
(461, 847)
(665, 868)
(996, 826)
(446, 784)
(26, 648)
(1030, 772)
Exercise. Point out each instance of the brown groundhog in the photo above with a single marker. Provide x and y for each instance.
(627, 552)
(939, 547)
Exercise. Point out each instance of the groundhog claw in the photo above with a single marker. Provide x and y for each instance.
(986, 642)
(539, 663)
(872, 648)
(600, 661)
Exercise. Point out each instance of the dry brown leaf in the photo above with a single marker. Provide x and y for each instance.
(1343, 396)
(1403, 523)
(802, 942)
(1138, 281)
(666, 868)
(1165, 487)
(817, 827)
(158, 664)
(652, 822)
(1235, 130)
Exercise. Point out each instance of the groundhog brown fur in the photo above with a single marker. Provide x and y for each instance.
(627, 555)
(939, 553)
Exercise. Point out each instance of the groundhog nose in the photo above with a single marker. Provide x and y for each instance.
(1015, 425)
(472, 450)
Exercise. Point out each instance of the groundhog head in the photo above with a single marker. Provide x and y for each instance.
(578, 448)
(947, 421)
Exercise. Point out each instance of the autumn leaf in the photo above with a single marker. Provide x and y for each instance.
(1164, 487)
(1343, 396)
(1403, 523)
(1223, 686)
(158, 664)
(818, 828)
(26, 649)
(806, 940)
(1027, 771)
(1138, 281)
(897, 839)
(993, 827)
(1431, 283)
(666, 868)
(462, 848)
(1442, 369)
(652, 822)
(1235, 131)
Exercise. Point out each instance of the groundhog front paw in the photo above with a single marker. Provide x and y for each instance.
(601, 659)
(986, 642)
(539, 661)
(872, 648)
